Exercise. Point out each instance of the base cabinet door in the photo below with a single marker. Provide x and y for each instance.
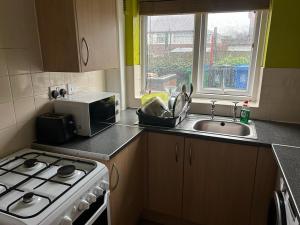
(218, 182)
(127, 184)
(265, 182)
(165, 173)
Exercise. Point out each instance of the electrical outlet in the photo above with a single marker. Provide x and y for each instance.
(70, 89)
(56, 88)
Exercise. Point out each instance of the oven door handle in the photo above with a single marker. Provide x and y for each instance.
(100, 210)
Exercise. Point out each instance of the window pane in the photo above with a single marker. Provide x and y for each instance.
(168, 52)
(228, 50)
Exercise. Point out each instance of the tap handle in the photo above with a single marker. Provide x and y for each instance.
(213, 102)
(235, 103)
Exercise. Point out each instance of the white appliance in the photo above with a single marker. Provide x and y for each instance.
(38, 187)
(282, 210)
(93, 111)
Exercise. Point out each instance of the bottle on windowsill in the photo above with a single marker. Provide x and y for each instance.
(245, 113)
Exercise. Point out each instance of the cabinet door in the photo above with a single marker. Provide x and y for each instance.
(165, 171)
(265, 179)
(218, 182)
(97, 34)
(127, 184)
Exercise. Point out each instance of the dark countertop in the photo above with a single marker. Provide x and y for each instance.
(288, 159)
(102, 146)
(268, 133)
(109, 142)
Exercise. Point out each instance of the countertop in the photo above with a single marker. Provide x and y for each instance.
(102, 146)
(108, 143)
(288, 159)
(268, 133)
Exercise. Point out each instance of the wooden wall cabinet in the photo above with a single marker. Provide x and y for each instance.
(78, 35)
(127, 183)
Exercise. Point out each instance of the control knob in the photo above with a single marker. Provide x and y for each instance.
(83, 205)
(66, 221)
(91, 197)
(98, 191)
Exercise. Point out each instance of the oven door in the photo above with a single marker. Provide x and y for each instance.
(277, 210)
(97, 214)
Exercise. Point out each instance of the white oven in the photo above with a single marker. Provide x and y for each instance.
(97, 214)
(42, 188)
(282, 210)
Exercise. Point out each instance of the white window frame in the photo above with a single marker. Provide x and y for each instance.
(199, 51)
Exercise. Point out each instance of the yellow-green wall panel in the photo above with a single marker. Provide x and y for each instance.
(283, 43)
(132, 33)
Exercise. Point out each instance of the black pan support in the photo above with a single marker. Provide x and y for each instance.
(55, 163)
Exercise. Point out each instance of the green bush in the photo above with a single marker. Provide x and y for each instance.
(233, 60)
(180, 64)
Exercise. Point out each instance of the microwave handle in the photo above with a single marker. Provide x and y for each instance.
(100, 210)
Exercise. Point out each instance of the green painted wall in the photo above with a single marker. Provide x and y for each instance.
(132, 32)
(283, 40)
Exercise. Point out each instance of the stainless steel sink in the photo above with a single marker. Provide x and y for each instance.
(226, 127)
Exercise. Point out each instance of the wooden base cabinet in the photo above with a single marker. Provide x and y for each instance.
(199, 181)
(265, 181)
(127, 183)
(218, 182)
(165, 173)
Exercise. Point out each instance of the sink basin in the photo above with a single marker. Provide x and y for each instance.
(226, 127)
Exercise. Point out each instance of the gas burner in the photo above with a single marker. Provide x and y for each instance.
(28, 197)
(66, 171)
(29, 163)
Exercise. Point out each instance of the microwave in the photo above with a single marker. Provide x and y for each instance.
(93, 112)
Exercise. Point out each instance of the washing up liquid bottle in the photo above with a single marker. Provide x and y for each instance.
(245, 113)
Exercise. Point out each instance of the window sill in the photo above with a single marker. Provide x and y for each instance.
(252, 104)
(207, 101)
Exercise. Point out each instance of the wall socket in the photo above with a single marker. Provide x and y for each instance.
(57, 88)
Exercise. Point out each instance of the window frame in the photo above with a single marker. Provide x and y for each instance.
(254, 77)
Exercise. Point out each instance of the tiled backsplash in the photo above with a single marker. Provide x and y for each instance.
(23, 84)
(278, 99)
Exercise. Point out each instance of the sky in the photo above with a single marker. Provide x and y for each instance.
(240, 21)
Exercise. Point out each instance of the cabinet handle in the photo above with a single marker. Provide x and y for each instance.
(176, 152)
(190, 154)
(114, 167)
(83, 42)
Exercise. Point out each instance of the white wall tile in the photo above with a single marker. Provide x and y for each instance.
(57, 79)
(7, 113)
(43, 104)
(97, 80)
(18, 61)
(3, 63)
(41, 83)
(21, 86)
(5, 91)
(68, 78)
(80, 79)
(24, 109)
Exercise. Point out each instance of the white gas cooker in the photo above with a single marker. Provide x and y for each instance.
(38, 187)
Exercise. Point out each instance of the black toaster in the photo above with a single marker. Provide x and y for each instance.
(55, 128)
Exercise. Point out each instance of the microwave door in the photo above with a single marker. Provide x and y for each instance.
(102, 114)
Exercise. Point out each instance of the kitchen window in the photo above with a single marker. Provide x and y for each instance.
(218, 52)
